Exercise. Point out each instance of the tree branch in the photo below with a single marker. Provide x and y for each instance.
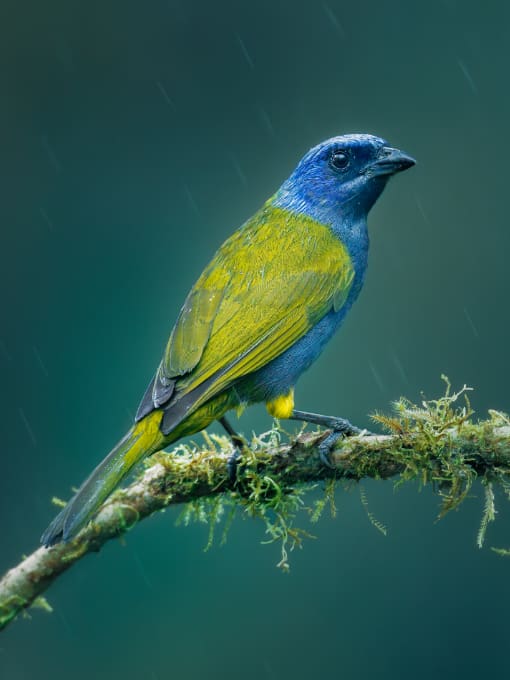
(435, 444)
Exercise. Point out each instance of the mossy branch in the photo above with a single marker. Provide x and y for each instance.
(437, 443)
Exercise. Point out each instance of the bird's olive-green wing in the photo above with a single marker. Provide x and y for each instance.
(192, 329)
(266, 287)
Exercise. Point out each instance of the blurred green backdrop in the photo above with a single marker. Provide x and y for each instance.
(134, 138)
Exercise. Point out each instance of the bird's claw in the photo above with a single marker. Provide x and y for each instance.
(326, 448)
(233, 464)
(340, 428)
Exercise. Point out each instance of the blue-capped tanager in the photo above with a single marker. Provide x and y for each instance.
(260, 313)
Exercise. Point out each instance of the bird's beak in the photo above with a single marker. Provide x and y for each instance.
(390, 161)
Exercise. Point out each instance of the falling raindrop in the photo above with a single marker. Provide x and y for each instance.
(40, 361)
(46, 218)
(245, 51)
(399, 366)
(334, 19)
(27, 426)
(165, 95)
(238, 169)
(467, 76)
(377, 377)
(65, 622)
(143, 572)
(191, 200)
(51, 153)
(421, 209)
(267, 121)
(471, 323)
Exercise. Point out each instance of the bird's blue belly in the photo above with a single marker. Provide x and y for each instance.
(281, 374)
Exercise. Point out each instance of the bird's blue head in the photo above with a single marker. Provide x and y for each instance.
(339, 180)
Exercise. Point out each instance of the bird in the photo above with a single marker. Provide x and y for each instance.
(259, 315)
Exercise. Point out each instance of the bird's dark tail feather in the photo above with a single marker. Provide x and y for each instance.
(142, 440)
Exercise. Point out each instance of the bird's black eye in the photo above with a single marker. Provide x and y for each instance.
(340, 160)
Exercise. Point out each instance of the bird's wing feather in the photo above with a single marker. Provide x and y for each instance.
(290, 310)
(191, 331)
(271, 282)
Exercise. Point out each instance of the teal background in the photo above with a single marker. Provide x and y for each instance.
(134, 137)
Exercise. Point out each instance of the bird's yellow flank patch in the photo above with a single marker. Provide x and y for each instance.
(282, 406)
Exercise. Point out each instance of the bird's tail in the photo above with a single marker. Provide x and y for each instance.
(143, 439)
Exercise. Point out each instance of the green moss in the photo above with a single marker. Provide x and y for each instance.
(42, 603)
(427, 448)
(489, 513)
(327, 499)
(9, 608)
(434, 442)
(257, 495)
(373, 520)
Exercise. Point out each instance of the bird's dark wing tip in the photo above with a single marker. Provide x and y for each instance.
(156, 394)
(146, 405)
(55, 532)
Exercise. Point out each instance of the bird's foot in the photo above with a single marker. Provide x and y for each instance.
(340, 428)
(233, 464)
(327, 446)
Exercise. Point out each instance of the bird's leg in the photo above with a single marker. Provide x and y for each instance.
(340, 427)
(237, 440)
(238, 443)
